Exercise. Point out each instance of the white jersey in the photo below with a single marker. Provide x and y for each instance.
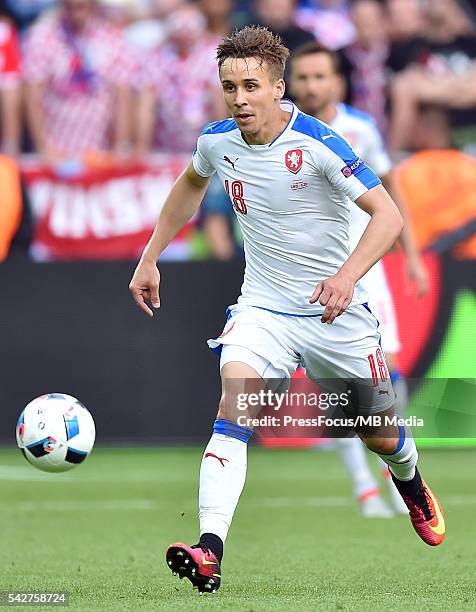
(292, 198)
(362, 133)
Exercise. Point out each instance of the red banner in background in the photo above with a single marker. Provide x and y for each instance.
(106, 213)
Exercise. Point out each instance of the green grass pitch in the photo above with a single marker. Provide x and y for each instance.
(297, 541)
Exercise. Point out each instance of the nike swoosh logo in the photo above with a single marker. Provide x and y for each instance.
(440, 528)
(328, 136)
(205, 562)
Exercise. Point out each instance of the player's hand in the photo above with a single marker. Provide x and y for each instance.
(335, 293)
(417, 277)
(145, 286)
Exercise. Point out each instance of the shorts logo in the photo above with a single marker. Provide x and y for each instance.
(349, 170)
(293, 160)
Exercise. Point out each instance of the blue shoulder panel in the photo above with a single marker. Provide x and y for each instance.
(219, 127)
(305, 124)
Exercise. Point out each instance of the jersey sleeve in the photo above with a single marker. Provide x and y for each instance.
(201, 158)
(376, 155)
(344, 169)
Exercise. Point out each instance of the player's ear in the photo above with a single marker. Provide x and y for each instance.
(279, 88)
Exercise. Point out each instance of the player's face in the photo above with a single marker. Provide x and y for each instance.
(313, 82)
(250, 93)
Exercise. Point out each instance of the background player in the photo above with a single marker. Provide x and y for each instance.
(283, 318)
(315, 85)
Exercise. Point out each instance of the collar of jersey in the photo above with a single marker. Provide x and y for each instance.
(285, 105)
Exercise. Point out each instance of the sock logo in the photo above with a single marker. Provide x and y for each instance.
(220, 459)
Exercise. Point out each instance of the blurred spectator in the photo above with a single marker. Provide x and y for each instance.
(218, 14)
(406, 25)
(442, 73)
(179, 90)
(439, 188)
(77, 71)
(364, 60)
(329, 21)
(151, 31)
(121, 12)
(24, 12)
(9, 89)
(279, 16)
(433, 131)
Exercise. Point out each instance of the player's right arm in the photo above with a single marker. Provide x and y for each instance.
(182, 202)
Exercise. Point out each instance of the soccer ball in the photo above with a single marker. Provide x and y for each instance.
(55, 432)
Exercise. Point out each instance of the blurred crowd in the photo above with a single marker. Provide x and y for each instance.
(121, 75)
(123, 78)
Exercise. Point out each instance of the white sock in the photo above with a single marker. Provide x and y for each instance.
(352, 453)
(403, 460)
(222, 477)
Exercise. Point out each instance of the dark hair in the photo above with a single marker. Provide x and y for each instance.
(313, 48)
(255, 41)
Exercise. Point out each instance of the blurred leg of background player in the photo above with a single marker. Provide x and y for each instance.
(351, 450)
(381, 303)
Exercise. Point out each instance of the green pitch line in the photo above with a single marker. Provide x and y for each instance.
(297, 542)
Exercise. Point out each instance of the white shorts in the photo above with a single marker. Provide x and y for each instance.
(275, 344)
(381, 303)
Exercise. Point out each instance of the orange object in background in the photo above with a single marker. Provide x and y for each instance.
(440, 191)
(10, 203)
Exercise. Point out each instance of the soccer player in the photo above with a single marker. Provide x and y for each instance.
(315, 82)
(291, 180)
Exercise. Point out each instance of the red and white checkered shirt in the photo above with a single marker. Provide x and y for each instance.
(80, 73)
(185, 89)
(9, 56)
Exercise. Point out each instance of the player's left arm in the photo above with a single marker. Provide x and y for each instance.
(335, 293)
(415, 268)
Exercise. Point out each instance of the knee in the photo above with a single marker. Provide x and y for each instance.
(384, 446)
